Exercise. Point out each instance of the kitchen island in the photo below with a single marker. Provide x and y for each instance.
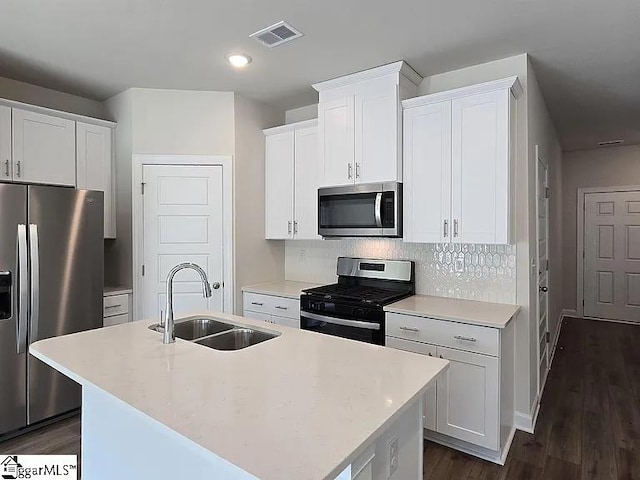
(298, 406)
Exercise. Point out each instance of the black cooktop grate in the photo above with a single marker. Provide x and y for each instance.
(357, 293)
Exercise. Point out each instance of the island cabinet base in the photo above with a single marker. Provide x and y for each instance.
(121, 442)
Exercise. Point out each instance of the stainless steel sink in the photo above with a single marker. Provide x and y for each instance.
(195, 328)
(218, 335)
(236, 339)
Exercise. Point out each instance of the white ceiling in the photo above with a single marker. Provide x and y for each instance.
(586, 53)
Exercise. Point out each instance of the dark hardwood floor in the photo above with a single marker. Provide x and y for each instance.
(588, 427)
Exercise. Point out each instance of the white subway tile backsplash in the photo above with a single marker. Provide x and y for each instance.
(470, 271)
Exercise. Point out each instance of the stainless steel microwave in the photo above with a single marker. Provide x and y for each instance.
(366, 210)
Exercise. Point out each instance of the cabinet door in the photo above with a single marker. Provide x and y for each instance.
(427, 173)
(467, 396)
(307, 176)
(44, 148)
(377, 112)
(480, 168)
(429, 408)
(287, 322)
(279, 158)
(336, 141)
(94, 167)
(5, 143)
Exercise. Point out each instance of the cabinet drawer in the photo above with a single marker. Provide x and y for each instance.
(471, 338)
(280, 306)
(116, 305)
(115, 320)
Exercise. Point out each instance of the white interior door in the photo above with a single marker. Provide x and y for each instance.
(182, 223)
(543, 270)
(612, 255)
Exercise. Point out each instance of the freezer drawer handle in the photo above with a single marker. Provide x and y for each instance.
(23, 282)
(35, 282)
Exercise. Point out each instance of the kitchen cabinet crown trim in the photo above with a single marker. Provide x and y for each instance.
(512, 83)
(401, 67)
(58, 113)
(290, 127)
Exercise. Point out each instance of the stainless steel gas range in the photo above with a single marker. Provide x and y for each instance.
(353, 307)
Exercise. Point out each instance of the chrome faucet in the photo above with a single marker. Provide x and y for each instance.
(168, 335)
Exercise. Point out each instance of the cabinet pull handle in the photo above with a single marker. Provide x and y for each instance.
(295, 227)
(113, 306)
(430, 354)
(350, 171)
(455, 227)
(257, 303)
(465, 339)
(441, 357)
(357, 170)
(409, 329)
(282, 308)
(18, 169)
(6, 168)
(446, 228)
(289, 227)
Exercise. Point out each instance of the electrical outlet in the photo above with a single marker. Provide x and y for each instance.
(393, 456)
(459, 265)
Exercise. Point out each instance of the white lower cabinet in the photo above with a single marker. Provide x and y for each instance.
(467, 398)
(271, 309)
(472, 405)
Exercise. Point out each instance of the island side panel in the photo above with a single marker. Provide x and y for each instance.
(120, 442)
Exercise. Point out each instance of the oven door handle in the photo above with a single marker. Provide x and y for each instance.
(341, 321)
(378, 209)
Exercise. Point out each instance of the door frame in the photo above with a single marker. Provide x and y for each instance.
(540, 161)
(580, 238)
(224, 161)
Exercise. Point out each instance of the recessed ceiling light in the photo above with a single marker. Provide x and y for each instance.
(238, 60)
(609, 143)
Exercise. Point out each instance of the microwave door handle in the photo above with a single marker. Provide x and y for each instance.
(378, 209)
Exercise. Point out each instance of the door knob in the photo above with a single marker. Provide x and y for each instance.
(215, 285)
(544, 289)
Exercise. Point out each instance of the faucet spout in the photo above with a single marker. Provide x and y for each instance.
(168, 335)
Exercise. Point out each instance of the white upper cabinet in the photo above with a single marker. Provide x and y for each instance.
(279, 178)
(94, 167)
(337, 140)
(458, 164)
(481, 167)
(5, 143)
(292, 172)
(427, 173)
(44, 148)
(307, 173)
(360, 125)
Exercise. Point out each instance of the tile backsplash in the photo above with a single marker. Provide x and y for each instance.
(471, 271)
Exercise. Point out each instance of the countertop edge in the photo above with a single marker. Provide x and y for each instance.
(447, 318)
(264, 289)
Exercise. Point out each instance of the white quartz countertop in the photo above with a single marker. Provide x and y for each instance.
(301, 405)
(284, 288)
(110, 290)
(486, 314)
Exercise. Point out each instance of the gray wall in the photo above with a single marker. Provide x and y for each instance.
(603, 167)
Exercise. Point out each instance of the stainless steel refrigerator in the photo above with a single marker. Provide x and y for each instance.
(51, 283)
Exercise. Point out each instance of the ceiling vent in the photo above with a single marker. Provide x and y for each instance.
(610, 143)
(276, 34)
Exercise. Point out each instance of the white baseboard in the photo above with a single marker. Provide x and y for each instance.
(499, 457)
(527, 421)
(569, 313)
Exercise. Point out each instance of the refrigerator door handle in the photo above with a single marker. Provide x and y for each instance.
(35, 282)
(23, 289)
